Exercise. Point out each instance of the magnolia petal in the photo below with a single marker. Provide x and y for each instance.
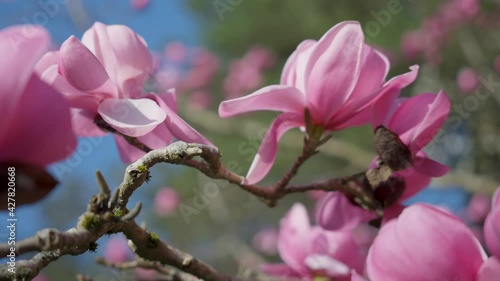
(333, 69)
(385, 106)
(48, 60)
(133, 57)
(75, 98)
(264, 160)
(158, 138)
(380, 109)
(293, 237)
(429, 167)
(128, 153)
(84, 125)
(279, 269)
(489, 270)
(335, 212)
(416, 128)
(275, 97)
(492, 231)
(177, 126)
(83, 70)
(170, 99)
(414, 182)
(496, 198)
(132, 117)
(21, 47)
(428, 127)
(356, 277)
(50, 130)
(294, 71)
(374, 69)
(326, 264)
(96, 39)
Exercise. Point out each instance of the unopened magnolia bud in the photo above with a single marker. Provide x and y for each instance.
(392, 151)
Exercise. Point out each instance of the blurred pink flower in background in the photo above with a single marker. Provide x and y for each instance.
(41, 277)
(317, 194)
(146, 274)
(203, 68)
(247, 73)
(416, 121)
(337, 78)
(310, 251)
(492, 226)
(117, 250)
(425, 237)
(467, 80)
(496, 64)
(430, 39)
(175, 52)
(139, 4)
(478, 207)
(166, 201)
(168, 78)
(266, 241)
(411, 45)
(104, 77)
(201, 99)
(24, 99)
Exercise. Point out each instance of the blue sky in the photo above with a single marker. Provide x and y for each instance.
(160, 22)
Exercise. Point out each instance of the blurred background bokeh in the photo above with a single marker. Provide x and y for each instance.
(220, 49)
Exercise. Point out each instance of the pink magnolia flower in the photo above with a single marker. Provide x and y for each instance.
(310, 251)
(41, 277)
(117, 250)
(166, 201)
(336, 79)
(266, 241)
(492, 226)
(25, 99)
(416, 121)
(204, 67)
(260, 56)
(496, 64)
(35, 129)
(201, 99)
(103, 76)
(426, 243)
(175, 52)
(467, 80)
(139, 4)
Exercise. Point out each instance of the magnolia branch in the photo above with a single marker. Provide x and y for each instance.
(107, 213)
(354, 186)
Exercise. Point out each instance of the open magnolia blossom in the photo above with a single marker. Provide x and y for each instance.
(102, 77)
(336, 80)
(310, 251)
(426, 243)
(24, 99)
(416, 121)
